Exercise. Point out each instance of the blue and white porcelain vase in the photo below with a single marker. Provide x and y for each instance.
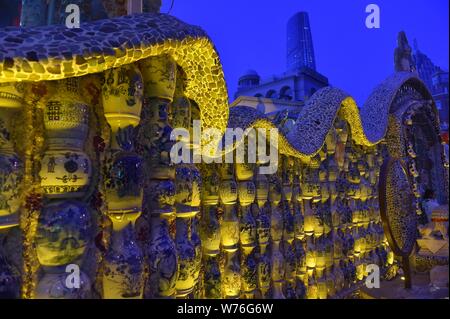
(162, 261)
(123, 274)
(65, 169)
(186, 258)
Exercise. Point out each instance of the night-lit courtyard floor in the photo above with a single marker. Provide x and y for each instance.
(394, 289)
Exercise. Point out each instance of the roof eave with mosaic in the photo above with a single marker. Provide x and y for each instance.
(56, 52)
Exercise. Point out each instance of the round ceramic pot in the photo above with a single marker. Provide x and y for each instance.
(63, 232)
(244, 171)
(162, 261)
(263, 226)
(210, 186)
(159, 73)
(181, 107)
(186, 259)
(275, 191)
(229, 229)
(210, 231)
(159, 197)
(264, 270)
(66, 115)
(247, 192)
(11, 95)
(330, 141)
(247, 227)
(123, 183)
(249, 278)
(262, 189)
(277, 271)
(122, 94)
(212, 278)
(65, 173)
(11, 175)
(333, 169)
(228, 192)
(299, 222)
(277, 223)
(290, 264)
(231, 276)
(9, 280)
(300, 256)
(188, 189)
(300, 289)
(196, 241)
(323, 172)
(53, 285)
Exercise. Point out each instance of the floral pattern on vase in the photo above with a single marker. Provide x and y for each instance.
(63, 232)
(123, 263)
(162, 261)
(53, 285)
(65, 169)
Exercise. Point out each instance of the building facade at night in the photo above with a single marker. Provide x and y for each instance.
(436, 80)
(300, 81)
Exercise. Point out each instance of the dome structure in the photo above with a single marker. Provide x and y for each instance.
(249, 79)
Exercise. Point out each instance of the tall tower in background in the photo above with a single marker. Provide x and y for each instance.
(300, 50)
(289, 90)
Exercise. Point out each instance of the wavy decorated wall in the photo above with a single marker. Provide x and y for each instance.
(87, 181)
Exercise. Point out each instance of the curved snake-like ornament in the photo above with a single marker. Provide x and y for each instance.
(368, 127)
(56, 52)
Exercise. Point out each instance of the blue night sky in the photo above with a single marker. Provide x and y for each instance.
(251, 34)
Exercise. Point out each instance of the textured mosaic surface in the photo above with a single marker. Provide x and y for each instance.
(401, 218)
(54, 52)
(368, 127)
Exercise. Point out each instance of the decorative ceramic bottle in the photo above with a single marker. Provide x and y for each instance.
(210, 232)
(63, 233)
(186, 258)
(10, 282)
(247, 226)
(188, 185)
(229, 230)
(65, 168)
(263, 232)
(124, 262)
(122, 94)
(11, 167)
(162, 260)
(153, 143)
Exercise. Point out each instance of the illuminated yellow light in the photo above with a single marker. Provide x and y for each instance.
(207, 88)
